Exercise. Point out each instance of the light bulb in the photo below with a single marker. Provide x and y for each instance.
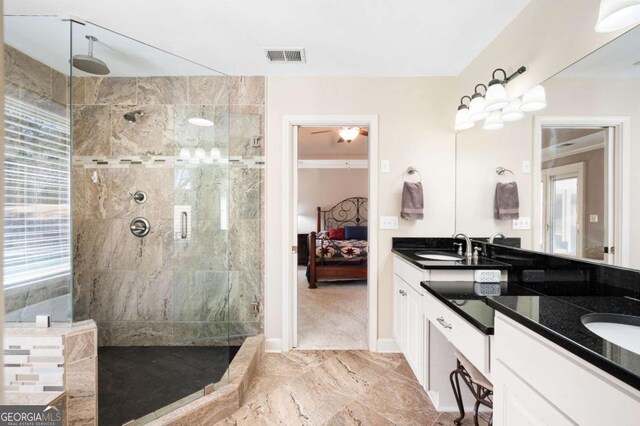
(534, 100)
(185, 153)
(617, 14)
(215, 153)
(476, 108)
(462, 119)
(493, 121)
(496, 97)
(512, 111)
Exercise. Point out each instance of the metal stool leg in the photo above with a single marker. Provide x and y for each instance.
(455, 385)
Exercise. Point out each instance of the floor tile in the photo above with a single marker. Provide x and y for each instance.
(357, 414)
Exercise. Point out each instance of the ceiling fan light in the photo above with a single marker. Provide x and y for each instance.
(477, 108)
(494, 121)
(349, 133)
(534, 100)
(512, 111)
(617, 14)
(201, 121)
(496, 96)
(462, 119)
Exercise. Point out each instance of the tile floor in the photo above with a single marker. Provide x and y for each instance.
(336, 388)
(332, 316)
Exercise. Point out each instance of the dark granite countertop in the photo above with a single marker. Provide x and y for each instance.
(483, 263)
(557, 318)
(468, 299)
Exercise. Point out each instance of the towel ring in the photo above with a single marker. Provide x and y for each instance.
(411, 171)
(502, 170)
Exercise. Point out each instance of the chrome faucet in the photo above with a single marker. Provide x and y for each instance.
(496, 235)
(468, 252)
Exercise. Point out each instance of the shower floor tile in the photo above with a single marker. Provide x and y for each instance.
(136, 380)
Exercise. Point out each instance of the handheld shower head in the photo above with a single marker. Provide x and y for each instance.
(89, 63)
(133, 116)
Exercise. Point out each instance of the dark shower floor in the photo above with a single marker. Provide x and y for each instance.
(133, 381)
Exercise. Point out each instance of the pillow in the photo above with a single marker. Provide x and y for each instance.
(355, 232)
(336, 234)
(323, 235)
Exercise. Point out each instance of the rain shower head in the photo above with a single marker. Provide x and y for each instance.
(89, 63)
(132, 116)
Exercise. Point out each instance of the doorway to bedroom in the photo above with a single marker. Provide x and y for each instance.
(332, 230)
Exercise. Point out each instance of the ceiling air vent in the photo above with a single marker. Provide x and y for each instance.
(285, 55)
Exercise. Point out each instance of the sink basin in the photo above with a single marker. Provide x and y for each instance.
(435, 255)
(621, 330)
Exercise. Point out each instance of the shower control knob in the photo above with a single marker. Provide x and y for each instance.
(139, 197)
(140, 227)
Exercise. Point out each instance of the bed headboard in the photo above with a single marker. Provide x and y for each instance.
(348, 212)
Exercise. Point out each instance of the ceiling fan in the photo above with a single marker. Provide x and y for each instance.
(346, 133)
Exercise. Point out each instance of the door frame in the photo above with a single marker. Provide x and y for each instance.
(621, 174)
(289, 217)
(573, 169)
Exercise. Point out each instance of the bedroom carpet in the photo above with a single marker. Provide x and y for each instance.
(332, 316)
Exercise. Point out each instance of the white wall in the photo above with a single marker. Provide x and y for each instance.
(325, 188)
(414, 116)
(481, 151)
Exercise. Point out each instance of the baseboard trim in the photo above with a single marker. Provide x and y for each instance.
(273, 345)
(388, 345)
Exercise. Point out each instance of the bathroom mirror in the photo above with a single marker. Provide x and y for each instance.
(576, 163)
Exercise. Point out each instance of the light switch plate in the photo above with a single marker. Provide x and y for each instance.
(388, 222)
(522, 223)
(526, 167)
(384, 166)
(593, 218)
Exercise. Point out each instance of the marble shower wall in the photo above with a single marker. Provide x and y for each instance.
(34, 83)
(162, 290)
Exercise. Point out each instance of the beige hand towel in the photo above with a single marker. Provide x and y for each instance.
(412, 201)
(506, 204)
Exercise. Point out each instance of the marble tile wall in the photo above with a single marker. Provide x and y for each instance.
(35, 83)
(163, 290)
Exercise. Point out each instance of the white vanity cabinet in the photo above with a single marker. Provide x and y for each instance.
(408, 324)
(536, 382)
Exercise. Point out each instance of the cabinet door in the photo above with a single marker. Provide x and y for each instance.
(414, 339)
(399, 316)
(515, 403)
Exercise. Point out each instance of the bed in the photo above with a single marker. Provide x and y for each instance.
(339, 259)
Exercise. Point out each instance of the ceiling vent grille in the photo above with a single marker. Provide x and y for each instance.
(285, 55)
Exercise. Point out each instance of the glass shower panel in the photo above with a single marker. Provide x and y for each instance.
(150, 153)
(37, 169)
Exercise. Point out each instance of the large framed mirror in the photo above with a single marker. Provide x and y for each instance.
(576, 163)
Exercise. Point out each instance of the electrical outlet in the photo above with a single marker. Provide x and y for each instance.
(522, 223)
(384, 166)
(388, 222)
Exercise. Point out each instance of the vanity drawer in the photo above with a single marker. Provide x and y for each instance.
(409, 273)
(473, 343)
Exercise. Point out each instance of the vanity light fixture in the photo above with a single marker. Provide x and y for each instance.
(477, 105)
(617, 14)
(496, 96)
(215, 153)
(462, 116)
(494, 121)
(534, 99)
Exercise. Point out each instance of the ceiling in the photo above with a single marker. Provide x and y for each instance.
(558, 142)
(552, 136)
(341, 38)
(323, 146)
(617, 59)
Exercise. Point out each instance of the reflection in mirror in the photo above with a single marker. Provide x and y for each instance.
(573, 163)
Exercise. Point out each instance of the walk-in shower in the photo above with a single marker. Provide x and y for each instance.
(173, 303)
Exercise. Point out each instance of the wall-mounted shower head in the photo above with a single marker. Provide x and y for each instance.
(133, 116)
(88, 63)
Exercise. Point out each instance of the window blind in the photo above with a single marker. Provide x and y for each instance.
(37, 181)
